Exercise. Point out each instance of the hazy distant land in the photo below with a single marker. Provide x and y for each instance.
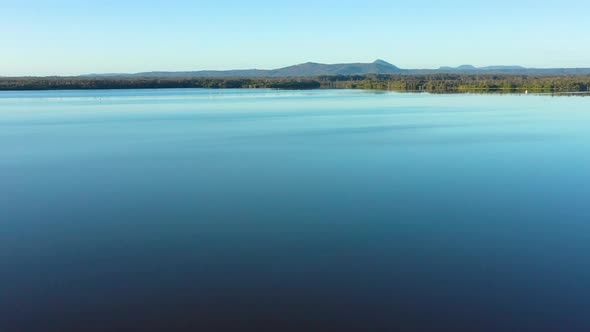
(379, 75)
(312, 69)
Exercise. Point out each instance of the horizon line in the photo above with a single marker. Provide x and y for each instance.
(458, 67)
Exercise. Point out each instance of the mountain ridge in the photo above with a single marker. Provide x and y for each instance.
(314, 69)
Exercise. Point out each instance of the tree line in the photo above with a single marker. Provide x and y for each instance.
(459, 82)
(78, 83)
(430, 83)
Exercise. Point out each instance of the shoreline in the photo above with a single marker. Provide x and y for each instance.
(440, 83)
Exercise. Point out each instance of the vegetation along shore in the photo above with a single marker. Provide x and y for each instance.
(429, 83)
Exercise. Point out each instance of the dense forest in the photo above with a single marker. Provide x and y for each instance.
(78, 83)
(459, 83)
(430, 83)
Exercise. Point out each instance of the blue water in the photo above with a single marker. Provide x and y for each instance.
(209, 210)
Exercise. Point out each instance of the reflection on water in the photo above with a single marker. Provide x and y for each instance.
(207, 210)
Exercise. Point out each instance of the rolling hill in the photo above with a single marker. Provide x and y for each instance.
(313, 69)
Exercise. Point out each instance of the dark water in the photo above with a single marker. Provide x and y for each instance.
(207, 210)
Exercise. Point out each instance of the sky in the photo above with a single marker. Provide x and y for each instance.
(64, 37)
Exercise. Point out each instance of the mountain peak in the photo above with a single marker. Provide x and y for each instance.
(383, 63)
(462, 67)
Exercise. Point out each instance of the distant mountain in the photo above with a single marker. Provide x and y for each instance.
(473, 68)
(318, 69)
(303, 70)
(202, 73)
(463, 67)
(311, 69)
(503, 68)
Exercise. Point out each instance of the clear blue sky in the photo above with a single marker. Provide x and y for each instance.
(64, 37)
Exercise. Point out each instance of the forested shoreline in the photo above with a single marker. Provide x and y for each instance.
(429, 83)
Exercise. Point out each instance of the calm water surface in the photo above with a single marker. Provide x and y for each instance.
(209, 210)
